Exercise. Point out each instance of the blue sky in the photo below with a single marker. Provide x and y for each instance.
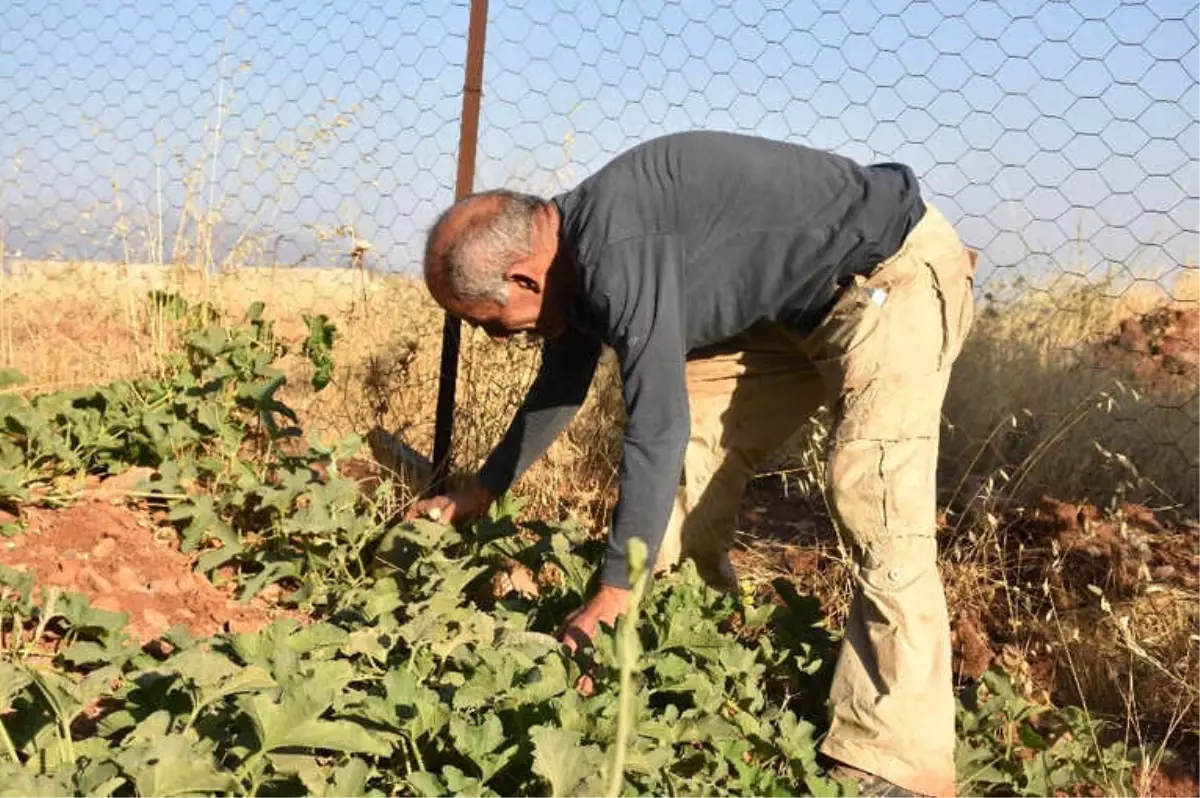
(1050, 132)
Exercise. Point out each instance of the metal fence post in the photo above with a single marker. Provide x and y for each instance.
(451, 328)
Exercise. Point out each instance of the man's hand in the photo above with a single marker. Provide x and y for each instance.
(581, 625)
(465, 504)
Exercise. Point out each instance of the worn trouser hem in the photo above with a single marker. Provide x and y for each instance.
(880, 763)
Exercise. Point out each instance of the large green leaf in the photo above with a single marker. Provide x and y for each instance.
(17, 782)
(10, 377)
(561, 759)
(173, 765)
(67, 697)
(695, 634)
(203, 520)
(75, 609)
(459, 783)
(350, 778)
(421, 706)
(212, 676)
(13, 680)
(272, 572)
(426, 784)
(294, 722)
(478, 742)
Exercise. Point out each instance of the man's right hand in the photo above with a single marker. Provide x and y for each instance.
(464, 504)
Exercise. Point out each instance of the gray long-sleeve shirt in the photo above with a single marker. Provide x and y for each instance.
(680, 243)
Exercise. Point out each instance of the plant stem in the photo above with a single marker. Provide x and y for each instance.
(417, 753)
(627, 641)
(250, 768)
(8, 743)
(47, 613)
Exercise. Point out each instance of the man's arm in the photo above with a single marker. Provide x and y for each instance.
(561, 385)
(647, 326)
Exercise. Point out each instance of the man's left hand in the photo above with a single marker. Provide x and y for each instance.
(581, 625)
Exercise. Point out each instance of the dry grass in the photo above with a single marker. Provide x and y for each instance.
(1124, 648)
(1026, 409)
(1029, 406)
(1028, 414)
(65, 325)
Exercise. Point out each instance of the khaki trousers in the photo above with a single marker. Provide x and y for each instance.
(881, 361)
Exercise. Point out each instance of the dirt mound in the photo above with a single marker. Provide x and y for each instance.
(1163, 344)
(971, 646)
(124, 562)
(1166, 782)
(1115, 553)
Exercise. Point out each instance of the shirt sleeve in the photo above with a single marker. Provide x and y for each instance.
(646, 329)
(558, 390)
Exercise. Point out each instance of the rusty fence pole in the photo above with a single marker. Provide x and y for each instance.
(451, 328)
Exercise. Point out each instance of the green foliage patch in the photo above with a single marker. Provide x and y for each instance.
(413, 677)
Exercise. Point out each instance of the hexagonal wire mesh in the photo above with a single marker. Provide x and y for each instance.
(298, 150)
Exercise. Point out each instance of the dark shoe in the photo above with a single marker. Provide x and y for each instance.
(868, 783)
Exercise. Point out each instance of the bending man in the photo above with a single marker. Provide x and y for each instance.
(742, 283)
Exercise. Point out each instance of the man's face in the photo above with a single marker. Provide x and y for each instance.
(526, 312)
(536, 303)
(498, 322)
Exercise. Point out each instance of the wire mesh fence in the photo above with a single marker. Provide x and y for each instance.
(295, 152)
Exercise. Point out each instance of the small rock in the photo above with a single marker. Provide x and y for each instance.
(120, 486)
(104, 548)
(164, 587)
(1163, 572)
(130, 581)
(501, 584)
(156, 620)
(95, 581)
(801, 561)
(522, 580)
(109, 603)
(973, 654)
(185, 613)
(186, 583)
(160, 648)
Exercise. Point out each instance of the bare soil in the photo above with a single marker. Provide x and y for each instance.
(1174, 781)
(1160, 346)
(124, 561)
(1118, 552)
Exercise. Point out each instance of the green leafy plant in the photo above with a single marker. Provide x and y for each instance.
(319, 348)
(1010, 745)
(414, 675)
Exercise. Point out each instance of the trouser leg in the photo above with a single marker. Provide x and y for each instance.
(745, 401)
(885, 352)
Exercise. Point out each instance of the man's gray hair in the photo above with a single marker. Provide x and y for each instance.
(473, 264)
